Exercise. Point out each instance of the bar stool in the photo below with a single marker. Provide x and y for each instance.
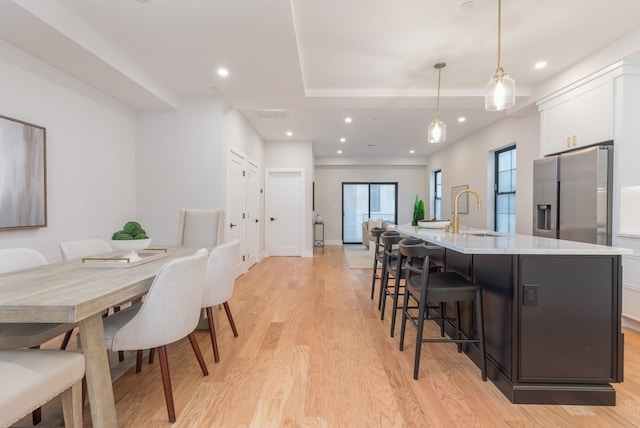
(399, 263)
(388, 240)
(377, 257)
(422, 286)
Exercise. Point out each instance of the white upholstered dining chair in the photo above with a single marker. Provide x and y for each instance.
(201, 227)
(72, 250)
(32, 377)
(169, 313)
(27, 335)
(219, 283)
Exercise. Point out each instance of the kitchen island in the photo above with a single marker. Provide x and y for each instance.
(551, 309)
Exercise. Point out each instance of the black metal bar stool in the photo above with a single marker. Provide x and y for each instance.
(377, 257)
(423, 286)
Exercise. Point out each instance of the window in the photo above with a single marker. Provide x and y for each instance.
(505, 190)
(361, 201)
(437, 194)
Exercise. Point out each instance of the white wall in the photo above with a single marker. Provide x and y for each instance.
(467, 160)
(181, 163)
(295, 154)
(239, 135)
(90, 151)
(411, 179)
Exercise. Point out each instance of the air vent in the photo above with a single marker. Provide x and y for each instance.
(272, 114)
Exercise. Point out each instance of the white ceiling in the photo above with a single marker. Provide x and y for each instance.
(319, 60)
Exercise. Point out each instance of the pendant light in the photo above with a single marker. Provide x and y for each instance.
(500, 92)
(437, 132)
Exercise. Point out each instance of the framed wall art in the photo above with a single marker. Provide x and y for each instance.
(463, 203)
(23, 175)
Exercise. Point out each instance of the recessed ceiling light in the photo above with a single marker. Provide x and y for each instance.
(289, 133)
(462, 119)
(412, 151)
(223, 72)
(347, 120)
(339, 152)
(342, 140)
(540, 65)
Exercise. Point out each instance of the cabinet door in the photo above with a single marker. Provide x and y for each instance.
(593, 115)
(565, 328)
(556, 127)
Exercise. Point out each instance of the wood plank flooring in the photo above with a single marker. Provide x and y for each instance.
(312, 352)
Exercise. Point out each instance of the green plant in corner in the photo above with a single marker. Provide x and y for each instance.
(418, 211)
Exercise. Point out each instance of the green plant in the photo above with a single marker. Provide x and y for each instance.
(418, 211)
(131, 230)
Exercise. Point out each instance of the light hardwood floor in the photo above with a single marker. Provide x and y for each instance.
(312, 352)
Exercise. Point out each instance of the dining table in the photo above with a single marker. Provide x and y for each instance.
(80, 292)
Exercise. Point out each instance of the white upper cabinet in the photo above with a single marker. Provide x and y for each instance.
(577, 118)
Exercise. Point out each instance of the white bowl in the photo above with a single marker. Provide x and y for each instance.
(434, 224)
(130, 247)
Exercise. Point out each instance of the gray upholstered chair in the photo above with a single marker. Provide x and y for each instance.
(169, 313)
(32, 377)
(27, 335)
(219, 284)
(201, 227)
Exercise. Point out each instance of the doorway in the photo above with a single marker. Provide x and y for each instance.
(284, 199)
(361, 201)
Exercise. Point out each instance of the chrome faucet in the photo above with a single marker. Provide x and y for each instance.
(456, 217)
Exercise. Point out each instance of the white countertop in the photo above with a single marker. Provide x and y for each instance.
(467, 243)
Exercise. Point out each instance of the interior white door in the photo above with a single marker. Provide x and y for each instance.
(235, 227)
(253, 204)
(283, 212)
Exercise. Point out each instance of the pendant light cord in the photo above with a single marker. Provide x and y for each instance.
(499, 69)
(438, 99)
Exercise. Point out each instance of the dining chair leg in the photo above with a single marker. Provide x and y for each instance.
(166, 382)
(138, 360)
(65, 340)
(230, 317)
(36, 416)
(196, 350)
(120, 353)
(212, 333)
(152, 353)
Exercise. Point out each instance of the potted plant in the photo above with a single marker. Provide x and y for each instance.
(418, 211)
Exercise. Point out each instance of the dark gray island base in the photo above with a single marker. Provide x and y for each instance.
(552, 321)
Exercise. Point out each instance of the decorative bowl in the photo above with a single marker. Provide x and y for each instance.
(434, 224)
(130, 247)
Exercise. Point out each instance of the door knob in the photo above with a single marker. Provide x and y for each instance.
(257, 220)
(272, 219)
(232, 225)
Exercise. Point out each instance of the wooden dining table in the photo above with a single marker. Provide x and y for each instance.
(74, 292)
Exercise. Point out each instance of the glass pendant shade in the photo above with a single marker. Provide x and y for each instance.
(437, 131)
(500, 92)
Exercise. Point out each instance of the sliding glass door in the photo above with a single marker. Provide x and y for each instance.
(361, 201)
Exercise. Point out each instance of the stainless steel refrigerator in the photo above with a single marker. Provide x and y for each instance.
(572, 195)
